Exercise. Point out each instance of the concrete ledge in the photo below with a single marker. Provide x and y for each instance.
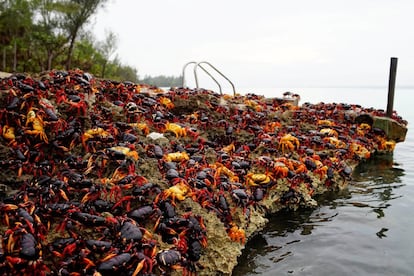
(394, 130)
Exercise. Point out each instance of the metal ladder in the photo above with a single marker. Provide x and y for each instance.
(199, 64)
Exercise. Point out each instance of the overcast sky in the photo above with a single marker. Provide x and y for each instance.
(267, 43)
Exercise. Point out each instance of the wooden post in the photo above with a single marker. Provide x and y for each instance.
(391, 86)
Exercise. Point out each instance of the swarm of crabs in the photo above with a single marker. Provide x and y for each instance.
(115, 178)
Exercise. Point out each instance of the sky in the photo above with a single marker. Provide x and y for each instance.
(266, 43)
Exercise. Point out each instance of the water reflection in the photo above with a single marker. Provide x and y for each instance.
(289, 234)
(374, 184)
(379, 170)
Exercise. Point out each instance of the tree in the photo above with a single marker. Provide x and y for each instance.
(15, 23)
(86, 56)
(47, 33)
(107, 48)
(116, 71)
(126, 72)
(78, 13)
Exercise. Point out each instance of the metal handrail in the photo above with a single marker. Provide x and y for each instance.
(208, 63)
(211, 76)
(188, 63)
(184, 67)
(198, 64)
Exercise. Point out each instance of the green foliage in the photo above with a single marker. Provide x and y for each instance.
(76, 14)
(39, 35)
(126, 72)
(15, 20)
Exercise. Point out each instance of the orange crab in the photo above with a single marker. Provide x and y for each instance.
(280, 170)
(271, 126)
(178, 191)
(35, 122)
(229, 148)
(176, 157)
(299, 167)
(193, 117)
(94, 133)
(237, 234)
(257, 179)
(389, 145)
(126, 151)
(386, 145)
(360, 150)
(326, 123)
(363, 128)
(81, 107)
(328, 132)
(288, 142)
(178, 130)
(9, 134)
(221, 169)
(141, 126)
(4, 208)
(321, 171)
(166, 102)
(254, 105)
(335, 141)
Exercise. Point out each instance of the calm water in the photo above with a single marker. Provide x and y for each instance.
(366, 229)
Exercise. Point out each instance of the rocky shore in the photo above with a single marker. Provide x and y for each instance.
(115, 178)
